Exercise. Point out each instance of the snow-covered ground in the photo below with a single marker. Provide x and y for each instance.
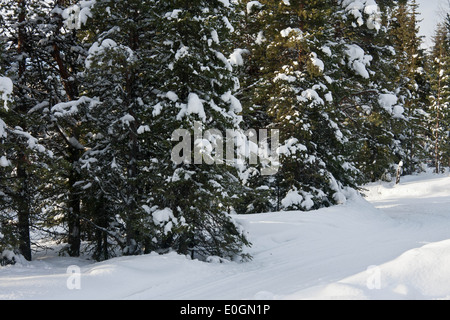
(394, 244)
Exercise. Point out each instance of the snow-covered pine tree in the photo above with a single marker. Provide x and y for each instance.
(440, 96)
(8, 238)
(306, 72)
(50, 56)
(372, 100)
(24, 154)
(446, 116)
(195, 93)
(63, 51)
(411, 84)
(250, 67)
(120, 74)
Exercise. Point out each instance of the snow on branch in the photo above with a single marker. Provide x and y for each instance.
(358, 8)
(358, 60)
(33, 143)
(77, 15)
(6, 89)
(70, 108)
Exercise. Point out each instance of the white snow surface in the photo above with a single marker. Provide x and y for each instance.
(393, 244)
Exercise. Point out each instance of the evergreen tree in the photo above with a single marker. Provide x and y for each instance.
(440, 96)
(261, 192)
(20, 182)
(120, 73)
(411, 83)
(195, 93)
(285, 81)
(44, 60)
(153, 75)
(312, 68)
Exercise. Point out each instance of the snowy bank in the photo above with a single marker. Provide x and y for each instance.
(392, 245)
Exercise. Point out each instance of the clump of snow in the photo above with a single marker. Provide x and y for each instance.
(158, 108)
(388, 102)
(98, 49)
(292, 198)
(2, 129)
(32, 142)
(317, 62)
(228, 24)
(284, 77)
(6, 89)
(260, 39)
(9, 257)
(359, 8)
(8, 254)
(312, 96)
(398, 111)
(216, 259)
(4, 162)
(236, 58)
(65, 109)
(195, 106)
(291, 146)
(225, 3)
(235, 104)
(164, 218)
(77, 15)
(173, 14)
(358, 60)
(286, 32)
(225, 61)
(253, 4)
(215, 36)
(172, 96)
(126, 119)
(143, 129)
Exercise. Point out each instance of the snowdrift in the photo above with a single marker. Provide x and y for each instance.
(392, 245)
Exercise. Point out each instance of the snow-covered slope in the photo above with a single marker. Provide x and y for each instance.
(392, 245)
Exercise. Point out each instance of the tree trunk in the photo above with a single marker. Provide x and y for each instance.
(71, 88)
(101, 236)
(133, 246)
(23, 209)
(132, 194)
(23, 201)
(73, 219)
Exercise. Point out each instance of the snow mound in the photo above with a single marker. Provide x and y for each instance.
(417, 274)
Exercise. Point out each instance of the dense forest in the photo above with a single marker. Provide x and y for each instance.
(137, 126)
